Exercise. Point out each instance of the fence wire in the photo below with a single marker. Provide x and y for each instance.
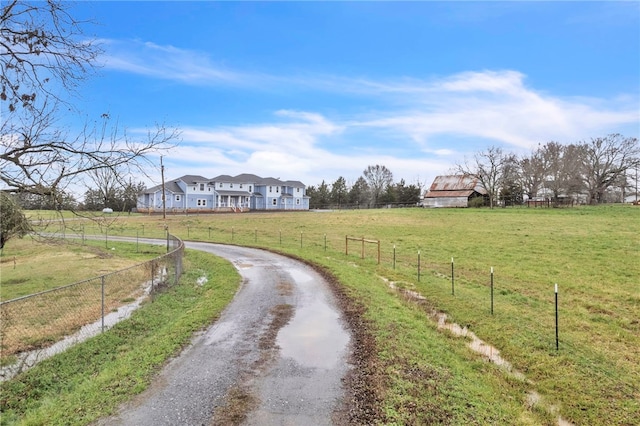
(39, 325)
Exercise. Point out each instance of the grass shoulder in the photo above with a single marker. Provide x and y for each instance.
(91, 379)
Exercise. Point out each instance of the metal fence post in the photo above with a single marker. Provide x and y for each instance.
(175, 262)
(557, 342)
(492, 290)
(102, 291)
(452, 279)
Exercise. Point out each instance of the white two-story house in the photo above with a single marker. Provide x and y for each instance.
(225, 193)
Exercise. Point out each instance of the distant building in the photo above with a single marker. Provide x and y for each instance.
(454, 191)
(225, 193)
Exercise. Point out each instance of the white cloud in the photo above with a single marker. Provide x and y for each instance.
(492, 106)
(426, 124)
(290, 149)
(166, 62)
(500, 107)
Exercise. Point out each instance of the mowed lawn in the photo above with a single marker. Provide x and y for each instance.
(592, 253)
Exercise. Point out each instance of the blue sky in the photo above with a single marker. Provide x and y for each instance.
(312, 91)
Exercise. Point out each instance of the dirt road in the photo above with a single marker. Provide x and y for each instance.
(277, 355)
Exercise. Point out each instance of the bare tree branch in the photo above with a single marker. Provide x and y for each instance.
(36, 157)
(43, 52)
(487, 167)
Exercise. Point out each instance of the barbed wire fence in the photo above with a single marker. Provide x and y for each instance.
(40, 325)
(407, 262)
(413, 265)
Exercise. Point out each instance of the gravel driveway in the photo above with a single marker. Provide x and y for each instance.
(276, 356)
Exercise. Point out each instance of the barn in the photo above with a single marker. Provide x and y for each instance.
(454, 191)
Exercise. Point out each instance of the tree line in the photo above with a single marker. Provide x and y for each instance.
(375, 188)
(603, 169)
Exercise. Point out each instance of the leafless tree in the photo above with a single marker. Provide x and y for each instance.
(605, 160)
(510, 184)
(43, 52)
(486, 166)
(552, 165)
(572, 158)
(39, 158)
(44, 55)
(378, 179)
(532, 173)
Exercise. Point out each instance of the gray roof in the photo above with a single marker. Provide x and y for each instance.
(191, 179)
(270, 181)
(257, 180)
(171, 186)
(223, 178)
(247, 178)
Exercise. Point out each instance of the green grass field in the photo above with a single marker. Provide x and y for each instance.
(427, 375)
(592, 253)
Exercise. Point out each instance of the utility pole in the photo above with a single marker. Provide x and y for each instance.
(164, 198)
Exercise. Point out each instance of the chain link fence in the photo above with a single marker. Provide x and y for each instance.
(37, 326)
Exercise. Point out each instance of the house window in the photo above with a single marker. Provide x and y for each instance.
(194, 188)
(271, 189)
(297, 189)
(249, 188)
(202, 202)
(177, 198)
(230, 185)
(240, 186)
(274, 202)
(220, 184)
(202, 187)
(298, 201)
(277, 189)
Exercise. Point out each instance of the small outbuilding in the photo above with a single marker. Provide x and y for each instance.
(454, 191)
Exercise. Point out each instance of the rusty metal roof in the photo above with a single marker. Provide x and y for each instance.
(456, 183)
(441, 194)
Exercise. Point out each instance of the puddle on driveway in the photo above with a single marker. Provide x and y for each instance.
(299, 276)
(314, 337)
